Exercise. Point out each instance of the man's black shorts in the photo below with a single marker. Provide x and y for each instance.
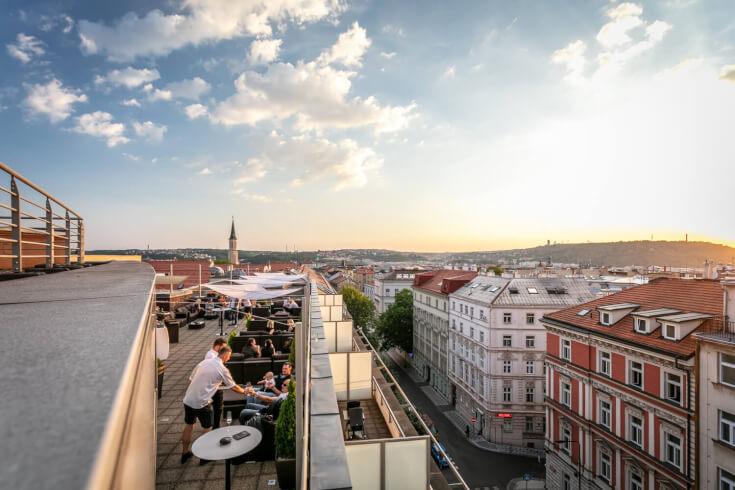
(203, 414)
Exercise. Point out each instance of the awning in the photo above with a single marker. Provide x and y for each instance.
(249, 291)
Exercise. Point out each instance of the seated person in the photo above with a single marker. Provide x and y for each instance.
(290, 325)
(287, 344)
(209, 306)
(280, 381)
(268, 350)
(258, 400)
(251, 349)
(267, 382)
(270, 327)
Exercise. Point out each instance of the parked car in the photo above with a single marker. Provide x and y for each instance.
(441, 461)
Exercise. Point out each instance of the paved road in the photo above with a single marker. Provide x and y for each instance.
(478, 467)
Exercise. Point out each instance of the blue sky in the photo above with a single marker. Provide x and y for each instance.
(408, 125)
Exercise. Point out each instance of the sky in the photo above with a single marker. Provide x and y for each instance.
(324, 124)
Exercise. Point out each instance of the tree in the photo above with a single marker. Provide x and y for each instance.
(360, 307)
(494, 268)
(395, 326)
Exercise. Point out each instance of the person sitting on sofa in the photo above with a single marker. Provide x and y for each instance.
(251, 349)
(268, 350)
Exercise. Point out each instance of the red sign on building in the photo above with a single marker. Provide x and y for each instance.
(504, 415)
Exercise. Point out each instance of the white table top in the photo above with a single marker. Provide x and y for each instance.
(208, 446)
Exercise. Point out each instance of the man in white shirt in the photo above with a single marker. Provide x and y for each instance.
(233, 311)
(208, 375)
(217, 399)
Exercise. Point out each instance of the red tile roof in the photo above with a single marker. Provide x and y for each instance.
(188, 268)
(282, 266)
(442, 281)
(699, 296)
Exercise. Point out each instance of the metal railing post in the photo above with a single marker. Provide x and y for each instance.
(67, 221)
(80, 241)
(49, 235)
(16, 232)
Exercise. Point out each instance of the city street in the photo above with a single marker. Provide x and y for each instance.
(480, 469)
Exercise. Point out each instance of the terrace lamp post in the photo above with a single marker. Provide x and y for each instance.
(579, 460)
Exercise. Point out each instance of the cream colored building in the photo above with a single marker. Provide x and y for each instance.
(716, 399)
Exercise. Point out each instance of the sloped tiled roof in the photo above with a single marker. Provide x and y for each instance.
(576, 291)
(442, 281)
(483, 293)
(699, 296)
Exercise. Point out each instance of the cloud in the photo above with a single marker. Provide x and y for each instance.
(131, 103)
(624, 18)
(26, 48)
(129, 77)
(254, 170)
(572, 57)
(316, 95)
(315, 159)
(205, 171)
(52, 100)
(611, 62)
(728, 73)
(99, 124)
(348, 49)
(48, 23)
(251, 197)
(194, 111)
(450, 72)
(387, 55)
(185, 89)
(134, 158)
(195, 22)
(391, 29)
(149, 130)
(264, 51)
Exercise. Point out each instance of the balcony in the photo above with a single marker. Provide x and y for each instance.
(717, 330)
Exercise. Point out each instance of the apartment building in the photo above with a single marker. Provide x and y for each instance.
(388, 284)
(716, 399)
(431, 323)
(620, 377)
(496, 351)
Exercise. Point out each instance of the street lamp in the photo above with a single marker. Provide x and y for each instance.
(579, 459)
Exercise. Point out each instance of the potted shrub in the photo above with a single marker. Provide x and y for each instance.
(161, 371)
(286, 441)
(231, 338)
(247, 323)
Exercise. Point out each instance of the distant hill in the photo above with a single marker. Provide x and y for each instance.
(642, 253)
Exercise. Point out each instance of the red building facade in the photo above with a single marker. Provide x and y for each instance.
(620, 387)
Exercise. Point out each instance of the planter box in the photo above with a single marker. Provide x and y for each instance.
(286, 471)
(161, 372)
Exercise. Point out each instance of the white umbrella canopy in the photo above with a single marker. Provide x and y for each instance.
(279, 276)
(249, 291)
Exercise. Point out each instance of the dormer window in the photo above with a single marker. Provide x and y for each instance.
(605, 318)
(641, 326)
(670, 331)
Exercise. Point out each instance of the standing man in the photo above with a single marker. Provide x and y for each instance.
(218, 401)
(208, 375)
(233, 311)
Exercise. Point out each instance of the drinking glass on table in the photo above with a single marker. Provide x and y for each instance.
(229, 417)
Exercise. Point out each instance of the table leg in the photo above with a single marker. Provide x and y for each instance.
(227, 475)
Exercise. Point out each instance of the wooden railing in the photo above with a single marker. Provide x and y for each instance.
(35, 225)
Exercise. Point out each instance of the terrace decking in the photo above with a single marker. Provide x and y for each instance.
(374, 423)
(170, 473)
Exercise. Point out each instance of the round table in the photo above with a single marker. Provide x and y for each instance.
(208, 446)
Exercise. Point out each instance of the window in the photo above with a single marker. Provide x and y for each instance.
(507, 367)
(673, 387)
(605, 414)
(566, 482)
(465, 309)
(530, 342)
(727, 428)
(605, 318)
(482, 336)
(670, 331)
(566, 394)
(673, 450)
(454, 324)
(529, 424)
(636, 481)
(727, 480)
(529, 367)
(508, 425)
(453, 305)
(530, 317)
(507, 341)
(436, 303)
(605, 466)
(506, 318)
(506, 394)
(566, 349)
(530, 395)
(461, 327)
(472, 312)
(635, 374)
(566, 436)
(727, 369)
(640, 325)
(532, 291)
(472, 332)
(636, 431)
(605, 363)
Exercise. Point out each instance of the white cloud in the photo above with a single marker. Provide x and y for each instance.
(612, 62)
(194, 111)
(572, 57)
(48, 23)
(728, 73)
(348, 49)
(149, 130)
(388, 55)
(251, 197)
(51, 100)
(391, 29)
(624, 18)
(69, 24)
(100, 125)
(195, 22)
(315, 95)
(129, 77)
(185, 89)
(254, 170)
(131, 103)
(134, 158)
(450, 72)
(26, 48)
(314, 159)
(264, 51)
(205, 171)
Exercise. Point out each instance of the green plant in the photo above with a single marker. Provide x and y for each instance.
(247, 323)
(285, 436)
(231, 338)
(292, 352)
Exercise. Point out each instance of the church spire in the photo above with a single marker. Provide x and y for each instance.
(232, 233)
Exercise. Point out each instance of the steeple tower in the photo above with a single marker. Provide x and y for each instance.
(232, 255)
